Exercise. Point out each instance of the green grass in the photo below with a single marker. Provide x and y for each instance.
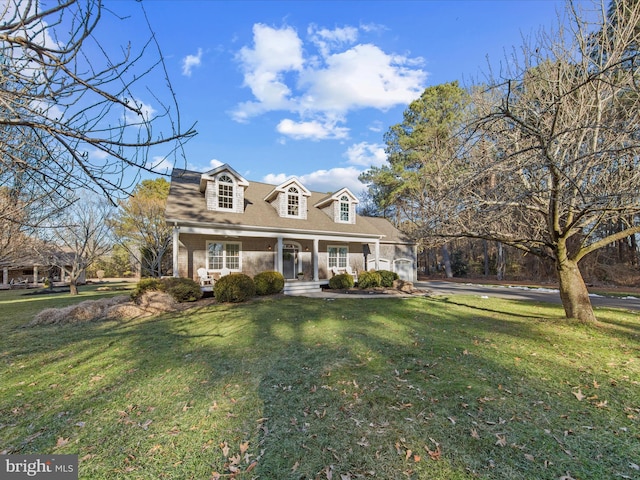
(292, 388)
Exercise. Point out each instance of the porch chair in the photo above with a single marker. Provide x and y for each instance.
(205, 278)
(224, 272)
(352, 273)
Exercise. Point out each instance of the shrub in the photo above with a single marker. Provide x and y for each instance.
(269, 283)
(369, 279)
(341, 281)
(387, 277)
(234, 288)
(146, 285)
(182, 289)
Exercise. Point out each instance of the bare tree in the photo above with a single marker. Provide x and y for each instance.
(141, 227)
(563, 129)
(74, 115)
(78, 239)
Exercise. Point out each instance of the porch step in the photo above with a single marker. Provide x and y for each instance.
(300, 287)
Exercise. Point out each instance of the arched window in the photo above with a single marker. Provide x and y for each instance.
(344, 208)
(225, 192)
(293, 202)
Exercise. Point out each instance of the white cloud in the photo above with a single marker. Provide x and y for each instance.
(274, 53)
(313, 130)
(366, 154)
(285, 75)
(325, 180)
(190, 62)
(361, 77)
(327, 40)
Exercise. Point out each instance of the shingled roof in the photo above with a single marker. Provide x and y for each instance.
(186, 206)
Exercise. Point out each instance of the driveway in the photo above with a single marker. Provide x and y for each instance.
(441, 287)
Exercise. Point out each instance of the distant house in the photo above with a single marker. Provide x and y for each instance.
(224, 223)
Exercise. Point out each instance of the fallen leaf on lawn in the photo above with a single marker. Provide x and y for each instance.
(417, 458)
(344, 476)
(251, 466)
(474, 434)
(452, 420)
(434, 454)
(225, 449)
(579, 395)
(566, 477)
(634, 466)
(215, 476)
(407, 454)
(243, 447)
(529, 457)
(156, 448)
(363, 442)
(62, 442)
(146, 424)
(328, 471)
(80, 424)
(502, 440)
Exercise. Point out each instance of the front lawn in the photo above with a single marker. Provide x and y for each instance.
(299, 388)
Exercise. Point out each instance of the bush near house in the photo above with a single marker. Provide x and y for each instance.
(370, 279)
(341, 281)
(181, 289)
(234, 288)
(269, 283)
(387, 278)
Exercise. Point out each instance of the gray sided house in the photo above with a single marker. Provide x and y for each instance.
(223, 224)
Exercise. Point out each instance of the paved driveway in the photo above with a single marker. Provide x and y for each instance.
(440, 287)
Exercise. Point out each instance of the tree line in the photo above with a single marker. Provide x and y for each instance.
(540, 157)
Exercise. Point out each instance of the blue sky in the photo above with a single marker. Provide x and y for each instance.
(305, 88)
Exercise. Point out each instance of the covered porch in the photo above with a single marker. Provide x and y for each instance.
(305, 260)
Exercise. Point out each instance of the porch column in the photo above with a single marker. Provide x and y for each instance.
(279, 245)
(315, 259)
(377, 254)
(176, 240)
(35, 274)
(5, 275)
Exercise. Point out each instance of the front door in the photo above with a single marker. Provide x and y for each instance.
(289, 261)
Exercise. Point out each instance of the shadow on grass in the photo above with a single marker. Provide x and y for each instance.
(350, 385)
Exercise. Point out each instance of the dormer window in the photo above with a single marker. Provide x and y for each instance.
(290, 199)
(345, 209)
(340, 206)
(225, 192)
(293, 202)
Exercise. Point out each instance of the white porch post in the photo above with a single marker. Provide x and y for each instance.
(5, 275)
(35, 274)
(315, 259)
(279, 246)
(176, 249)
(377, 254)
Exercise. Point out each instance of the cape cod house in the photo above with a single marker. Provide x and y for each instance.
(223, 223)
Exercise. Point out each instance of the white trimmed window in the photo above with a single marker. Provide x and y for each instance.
(225, 192)
(223, 255)
(345, 209)
(338, 257)
(293, 202)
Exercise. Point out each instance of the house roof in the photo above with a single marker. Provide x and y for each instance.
(186, 206)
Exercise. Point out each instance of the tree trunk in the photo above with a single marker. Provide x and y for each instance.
(446, 261)
(485, 247)
(73, 287)
(574, 293)
(501, 263)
